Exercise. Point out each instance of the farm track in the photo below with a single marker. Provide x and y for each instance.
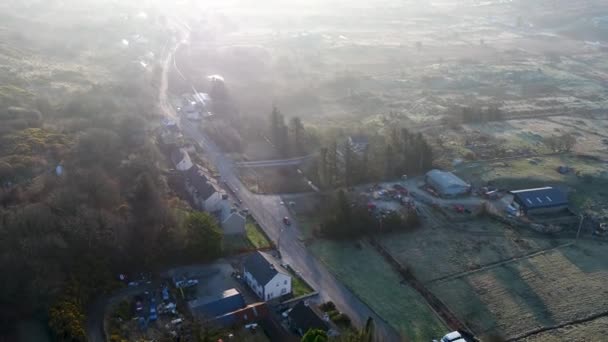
(580, 113)
(559, 326)
(578, 128)
(496, 264)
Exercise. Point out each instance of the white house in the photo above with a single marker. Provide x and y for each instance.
(181, 159)
(266, 277)
(204, 190)
(231, 221)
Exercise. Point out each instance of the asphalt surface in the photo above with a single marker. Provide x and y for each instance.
(269, 212)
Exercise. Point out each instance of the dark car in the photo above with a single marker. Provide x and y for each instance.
(287, 221)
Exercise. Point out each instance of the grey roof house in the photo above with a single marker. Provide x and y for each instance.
(265, 276)
(181, 159)
(231, 220)
(204, 190)
(303, 318)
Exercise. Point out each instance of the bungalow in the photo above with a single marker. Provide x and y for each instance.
(303, 318)
(204, 191)
(266, 277)
(181, 159)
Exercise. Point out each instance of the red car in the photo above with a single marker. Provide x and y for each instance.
(459, 208)
(287, 221)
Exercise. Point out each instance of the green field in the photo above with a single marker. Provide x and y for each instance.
(595, 330)
(373, 280)
(435, 252)
(549, 289)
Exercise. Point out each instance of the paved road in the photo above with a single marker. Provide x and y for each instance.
(269, 212)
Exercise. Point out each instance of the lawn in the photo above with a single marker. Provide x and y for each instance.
(545, 290)
(254, 238)
(373, 280)
(255, 235)
(298, 286)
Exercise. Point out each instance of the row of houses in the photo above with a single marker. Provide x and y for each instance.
(204, 191)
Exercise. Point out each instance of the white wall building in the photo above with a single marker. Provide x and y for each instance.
(181, 159)
(266, 277)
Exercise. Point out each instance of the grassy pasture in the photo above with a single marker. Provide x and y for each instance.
(375, 283)
(545, 290)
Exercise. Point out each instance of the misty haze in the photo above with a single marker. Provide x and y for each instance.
(306, 171)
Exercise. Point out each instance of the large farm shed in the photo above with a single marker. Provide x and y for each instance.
(446, 183)
(540, 200)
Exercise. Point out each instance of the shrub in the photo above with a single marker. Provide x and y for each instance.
(342, 320)
(327, 306)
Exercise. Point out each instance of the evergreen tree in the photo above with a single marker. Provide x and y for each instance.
(298, 135)
(332, 164)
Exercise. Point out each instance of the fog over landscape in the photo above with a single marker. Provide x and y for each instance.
(320, 170)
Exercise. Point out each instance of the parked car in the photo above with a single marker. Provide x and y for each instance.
(454, 336)
(286, 221)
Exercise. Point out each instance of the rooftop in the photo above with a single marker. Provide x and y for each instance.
(304, 318)
(177, 155)
(447, 179)
(198, 179)
(219, 304)
(263, 267)
(541, 197)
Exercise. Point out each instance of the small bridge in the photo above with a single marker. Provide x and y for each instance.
(276, 162)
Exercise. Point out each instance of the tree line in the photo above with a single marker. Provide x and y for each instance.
(289, 140)
(399, 153)
(108, 211)
(347, 219)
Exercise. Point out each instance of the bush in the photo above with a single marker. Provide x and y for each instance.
(327, 306)
(123, 310)
(342, 320)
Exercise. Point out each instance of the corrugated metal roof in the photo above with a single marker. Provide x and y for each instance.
(540, 197)
(446, 182)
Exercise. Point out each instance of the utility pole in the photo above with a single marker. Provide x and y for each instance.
(279, 242)
(580, 225)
